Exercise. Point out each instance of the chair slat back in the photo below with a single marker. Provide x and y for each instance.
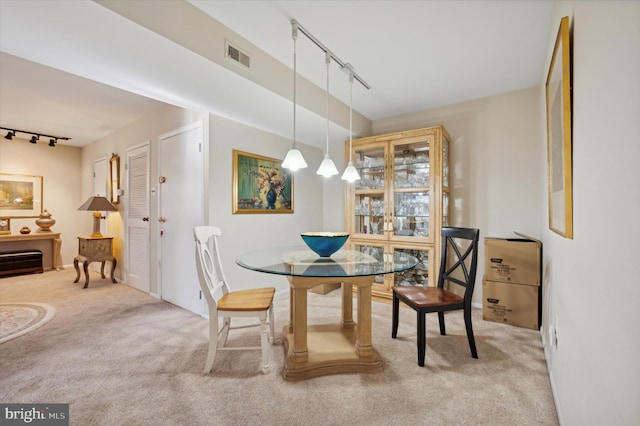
(212, 280)
(459, 259)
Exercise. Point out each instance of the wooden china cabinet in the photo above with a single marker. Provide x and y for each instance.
(401, 201)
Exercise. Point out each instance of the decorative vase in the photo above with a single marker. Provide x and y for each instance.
(45, 222)
(25, 230)
(271, 199)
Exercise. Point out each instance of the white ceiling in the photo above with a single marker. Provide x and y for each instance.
(80, 70)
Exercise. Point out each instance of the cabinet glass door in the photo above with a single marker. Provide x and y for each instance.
(411, 189)
(369, 194)
(418, 275)
(378, 281)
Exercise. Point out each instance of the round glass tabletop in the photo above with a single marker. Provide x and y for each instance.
(301, 261)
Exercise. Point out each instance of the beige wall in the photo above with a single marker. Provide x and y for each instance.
(240, 231)
(60, 169)
(498, 159)
(593, 281)
(243, 232)
(495, 162)
(147, 130)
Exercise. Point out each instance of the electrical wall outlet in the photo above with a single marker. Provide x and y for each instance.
(552, 334)
(553, 342)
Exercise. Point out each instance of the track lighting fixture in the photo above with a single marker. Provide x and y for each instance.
(294, 160)
(53, 140)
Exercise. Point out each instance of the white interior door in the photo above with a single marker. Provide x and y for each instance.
(137, 217)
(181, 208)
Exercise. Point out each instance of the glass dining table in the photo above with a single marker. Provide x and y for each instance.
(340, 347)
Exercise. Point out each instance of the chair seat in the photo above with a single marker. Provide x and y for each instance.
(423, 297)
(258, 299)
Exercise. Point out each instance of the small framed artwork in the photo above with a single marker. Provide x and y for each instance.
(559, 146)
(20, 195)
(5, 225)
(260, 185)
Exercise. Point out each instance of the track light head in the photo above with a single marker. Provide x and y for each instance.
(52, 143)
(34, 139)
(10, 135)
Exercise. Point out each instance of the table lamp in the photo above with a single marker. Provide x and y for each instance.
(97, 204)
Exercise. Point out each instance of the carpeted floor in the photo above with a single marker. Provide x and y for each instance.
(121, 357)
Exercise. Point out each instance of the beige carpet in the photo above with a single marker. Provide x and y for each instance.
(121, 357)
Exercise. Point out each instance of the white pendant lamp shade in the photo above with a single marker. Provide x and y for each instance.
(350, 173)
(294, 160)
(327, 167)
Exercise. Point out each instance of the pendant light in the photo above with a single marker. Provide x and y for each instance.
(294, 159)
(327, 167)
(350, 173)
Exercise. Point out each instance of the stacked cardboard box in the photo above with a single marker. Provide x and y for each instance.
(512, 284)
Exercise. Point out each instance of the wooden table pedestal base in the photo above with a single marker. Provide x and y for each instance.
(317, 350)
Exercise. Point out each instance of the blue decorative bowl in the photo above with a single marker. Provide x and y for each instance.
(325, 243)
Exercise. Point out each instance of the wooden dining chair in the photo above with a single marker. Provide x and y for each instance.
(460, 251)
(224, 303)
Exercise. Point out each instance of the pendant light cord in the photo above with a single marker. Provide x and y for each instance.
(294, 34)
(350, 114)
(328, 61)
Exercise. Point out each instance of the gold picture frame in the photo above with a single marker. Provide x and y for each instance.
(114, 178)
(20, 195)
(260, 185)
(559, 145)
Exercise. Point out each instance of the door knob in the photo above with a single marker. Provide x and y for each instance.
(145, 219)
(162, 219)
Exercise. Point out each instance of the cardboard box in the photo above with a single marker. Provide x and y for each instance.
(514, 304)
(513, 260)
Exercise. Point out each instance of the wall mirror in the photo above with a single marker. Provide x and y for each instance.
(114, 181)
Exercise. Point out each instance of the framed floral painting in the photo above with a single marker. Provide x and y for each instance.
(260, 185)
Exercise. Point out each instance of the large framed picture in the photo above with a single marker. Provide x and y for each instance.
(260, 185)
(20, 195)
(559, 147)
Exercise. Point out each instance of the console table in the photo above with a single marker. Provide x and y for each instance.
(94, 249)
(49, 242)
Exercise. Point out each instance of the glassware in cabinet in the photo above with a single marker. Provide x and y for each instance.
(411, 214)
(369, 213)
(370, 164)
(378, 251)
(418, 275)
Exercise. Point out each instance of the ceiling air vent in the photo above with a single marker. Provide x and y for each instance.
(236, 55)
